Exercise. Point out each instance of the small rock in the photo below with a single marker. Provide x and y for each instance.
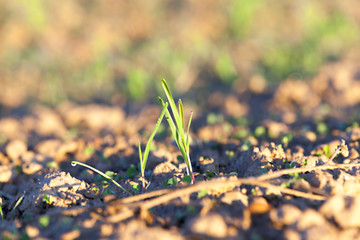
(212, 225)
(354, 134)
(235, 108)
(69, 147)
(6, 173)
(259, 206)
(345, 210)
(325, 231)
(48, 147)
(310, 218)
(285, 215)
(31, 167)
(32, 231)
(165, 167)
(137, 229)
(231, 197)
(15, 149)
(291, 234)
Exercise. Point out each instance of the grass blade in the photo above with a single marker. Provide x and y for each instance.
(173, 108)
(147, 148)
(181, 114)
(74, 163)
(1, 213)
(141, 159)
(188, 133)
(16, 205)
(170, 120)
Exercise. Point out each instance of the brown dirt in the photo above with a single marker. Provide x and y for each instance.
(278, 181)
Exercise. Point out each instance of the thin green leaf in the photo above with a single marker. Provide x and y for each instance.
(181, 114)
(74, 163)
(1, 213)
(187, 133)
(173, 108)
(141, 160)
(169, 119)
(147, 148)
(16, 205)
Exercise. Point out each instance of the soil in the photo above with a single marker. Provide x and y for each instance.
(280, 163)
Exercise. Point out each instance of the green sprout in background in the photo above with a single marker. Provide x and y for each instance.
(178, 127)
(144, 158)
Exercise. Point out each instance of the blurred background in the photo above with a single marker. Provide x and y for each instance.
(116, 52)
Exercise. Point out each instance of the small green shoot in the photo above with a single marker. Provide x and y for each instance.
(305, 162)
(48, 199)
(89, 150)
(322, 128)
(260, 131)
(135, 188)
(44, 221)
(210, 174)
(177, 127)
(1, 213)
(108, 191)
(171, 182)
(16, 205)
(230, 154)
(144, 158)
(295, 177)
(74, 163)
(202, 193)
(326, 149)
(95, 190)
(187, 179)
(131, 171)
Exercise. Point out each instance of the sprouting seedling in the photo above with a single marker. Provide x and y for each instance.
(74, 163)
(1, 212)
(178, 127)
(16, 205)
(144, 158)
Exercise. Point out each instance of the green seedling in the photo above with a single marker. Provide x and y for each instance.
(131, 171)
(187, 179)
(48, 199)
(202, 193)
(210, 174)
(177, 127)
(44, 221)
(260, 131)
(1, 213)
(16, 205)
(89, 150)
(74, 163)
(144, 157)
(295, 177)
(171, 182)
(135, 188)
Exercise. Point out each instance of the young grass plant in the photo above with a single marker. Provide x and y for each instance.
(144, 157)
(1, 213)
(74, 163)
(177, 127)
